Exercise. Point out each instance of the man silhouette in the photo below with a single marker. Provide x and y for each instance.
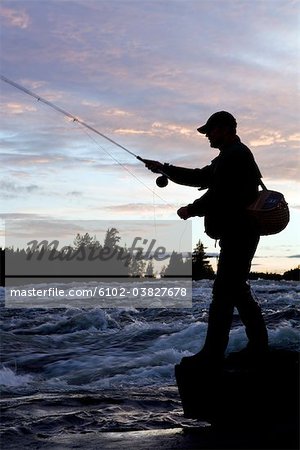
(231, 181)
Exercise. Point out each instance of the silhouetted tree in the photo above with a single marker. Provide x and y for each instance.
(292, 275)
(202, 268)
(149, 270)
(136, 267)
(265, 276)
(111, 238)
(163, 270)
(188, 265)
(176, 265)
(85, 240)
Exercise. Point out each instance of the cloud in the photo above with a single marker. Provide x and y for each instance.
(159, 129)
(169, 129)
(25, 216)
(31, 227)
(143, 209)
(15, 17)
(10, 189)
(25, 160)
(268, 139)
(294, 137)
(74, 193)
(275, 137)
(18, 108)
(131, 131)
(52, 162)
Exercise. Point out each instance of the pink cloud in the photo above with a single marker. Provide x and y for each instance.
(15, 18)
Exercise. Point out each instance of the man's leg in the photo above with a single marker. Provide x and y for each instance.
(231, 289)
(248, 308)
(220, 316)
(218, 327)
(252, 318)
(222, 305)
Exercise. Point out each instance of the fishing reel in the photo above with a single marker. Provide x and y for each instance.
(162, 181)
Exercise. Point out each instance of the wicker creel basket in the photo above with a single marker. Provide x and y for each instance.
(270, 210)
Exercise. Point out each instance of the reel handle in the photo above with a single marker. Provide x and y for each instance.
(162, 181)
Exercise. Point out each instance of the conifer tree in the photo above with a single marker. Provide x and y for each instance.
(201, 267)
(111, 238)
(149, 270)
(85, 240)
(176, 265)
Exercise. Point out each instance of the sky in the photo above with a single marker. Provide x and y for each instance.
(146, 74)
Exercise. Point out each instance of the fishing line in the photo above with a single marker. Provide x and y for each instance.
(126, 168)
(65, 113)
(88, 127)
(154, 212)
(94, 130)
(129, 171)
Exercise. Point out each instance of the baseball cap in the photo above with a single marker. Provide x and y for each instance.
(217, 119)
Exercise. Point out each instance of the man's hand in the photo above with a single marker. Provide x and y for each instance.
(154, 166)
(183, 213)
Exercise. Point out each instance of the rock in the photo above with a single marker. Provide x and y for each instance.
(244, 391)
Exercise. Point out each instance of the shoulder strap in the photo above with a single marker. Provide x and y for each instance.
(260, 183)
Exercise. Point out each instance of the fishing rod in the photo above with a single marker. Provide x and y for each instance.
(161, 181)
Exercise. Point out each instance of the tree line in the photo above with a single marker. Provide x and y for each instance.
(111, 258)
(289, 275)
(90, 257)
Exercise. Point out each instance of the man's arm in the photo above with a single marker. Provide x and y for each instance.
(199, 207)
(181, 175)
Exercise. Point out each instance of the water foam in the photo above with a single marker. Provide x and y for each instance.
(8, 378)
